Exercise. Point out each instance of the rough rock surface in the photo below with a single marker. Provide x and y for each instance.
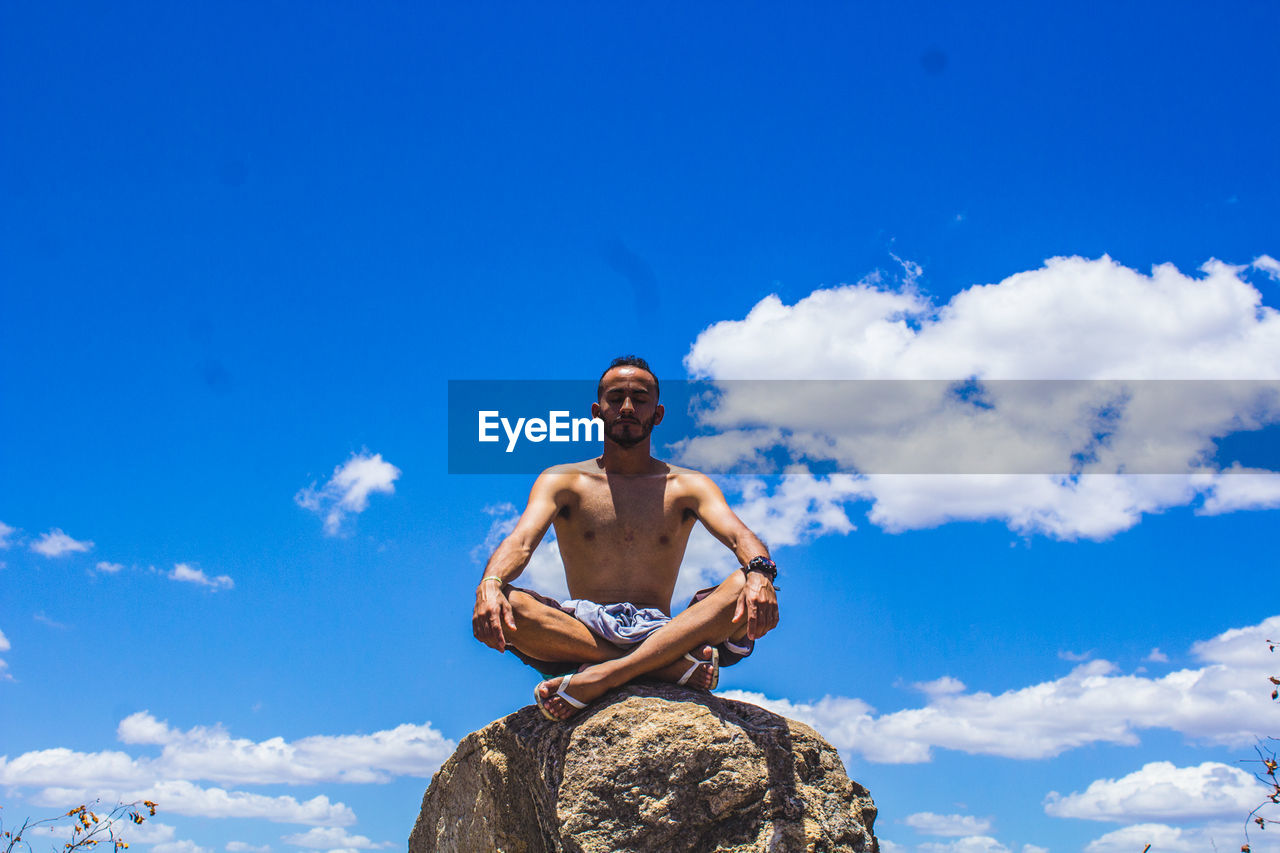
(646, 767)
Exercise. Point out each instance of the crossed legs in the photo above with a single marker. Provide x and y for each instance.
(545, 633)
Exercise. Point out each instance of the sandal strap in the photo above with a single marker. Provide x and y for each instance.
(560, 691)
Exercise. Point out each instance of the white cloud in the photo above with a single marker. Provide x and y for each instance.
(1162, 792)
(1268, 265)
(348, 489)
(184, 798)
(148, 832)
(944, 686)
(243, 847)
(1156, 656)
(887, 846)
(1242, 489)
(947, 824)
(5, 532)
(1222, 702)
(55, 543)
(107, 568)
(1171, 839)
(184, 846)
(328, 838)
(1073, 319)
(211, 753)
(971, 844)
(4, 647)
(189, 574)
(1033, 848)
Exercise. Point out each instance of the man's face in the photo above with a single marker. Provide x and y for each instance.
(628, 405)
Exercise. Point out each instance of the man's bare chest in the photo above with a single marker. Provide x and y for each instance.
(638, 513)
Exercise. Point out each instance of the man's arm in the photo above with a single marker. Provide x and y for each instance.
(493, 610)
(758, 599)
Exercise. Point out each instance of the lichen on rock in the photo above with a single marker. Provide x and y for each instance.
(647, 767)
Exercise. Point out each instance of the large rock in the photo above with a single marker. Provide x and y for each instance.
(647, 767)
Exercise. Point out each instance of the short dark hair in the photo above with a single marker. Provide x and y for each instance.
(628, 361)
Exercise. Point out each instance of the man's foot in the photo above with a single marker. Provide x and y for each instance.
(553, 699)
(700, 669)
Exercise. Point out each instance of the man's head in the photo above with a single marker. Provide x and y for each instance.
(628, 361)
(627, 401)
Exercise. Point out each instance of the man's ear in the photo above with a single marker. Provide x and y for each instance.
(595, 410)
(658, 412)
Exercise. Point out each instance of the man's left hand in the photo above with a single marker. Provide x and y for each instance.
(759, 602)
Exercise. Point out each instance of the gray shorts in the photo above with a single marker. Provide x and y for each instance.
(623, 625)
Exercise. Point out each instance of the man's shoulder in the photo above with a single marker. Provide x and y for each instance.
(687, 477)
(568, 472)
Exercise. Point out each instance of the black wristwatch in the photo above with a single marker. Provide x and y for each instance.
(764, 566)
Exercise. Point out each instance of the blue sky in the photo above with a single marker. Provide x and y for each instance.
(248, 246)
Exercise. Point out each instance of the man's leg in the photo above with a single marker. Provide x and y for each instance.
(549, 634)
(707, 623)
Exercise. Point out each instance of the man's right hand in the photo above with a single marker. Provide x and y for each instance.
(492, 612)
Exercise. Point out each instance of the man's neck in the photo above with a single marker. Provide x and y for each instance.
(627, 461)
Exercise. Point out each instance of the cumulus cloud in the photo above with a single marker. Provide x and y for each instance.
(1161, 791)
(186, 798)
(107, 568)
(1156, 656)
(184, 846)
(1100, 342)
(244, 847)
(1219, 702)
(947, 824)
(347, 491)
(211, 753)
(1172, 839)
(1073, 318)
(329, 838)
(4, 647)
(148, 832)
(5, 532)
(970, 844)
(55, 543)
(944, 686)
(1242, 489)
(189, 574)
(1268, 265)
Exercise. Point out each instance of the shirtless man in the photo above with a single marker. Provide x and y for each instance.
(622, 522)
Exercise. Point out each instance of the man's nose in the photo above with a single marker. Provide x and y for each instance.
(626, 405)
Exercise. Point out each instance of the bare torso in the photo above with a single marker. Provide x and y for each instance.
(622, 537)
